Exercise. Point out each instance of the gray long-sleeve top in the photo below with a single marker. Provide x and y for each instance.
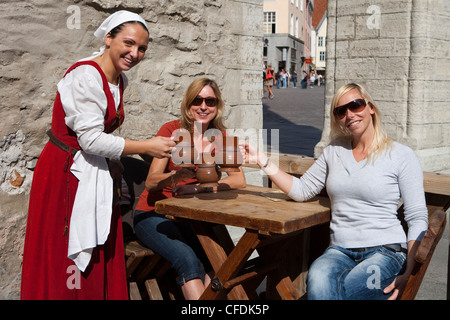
(365, 196)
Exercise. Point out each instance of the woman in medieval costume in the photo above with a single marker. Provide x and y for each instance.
(74, 242)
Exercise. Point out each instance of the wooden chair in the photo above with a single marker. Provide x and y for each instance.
(137, 271)
(437, 205)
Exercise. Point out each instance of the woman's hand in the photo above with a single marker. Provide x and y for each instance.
(397, 286)
(251, 154)
(184, 174)
(160, 147)
(190, 189)
(157, 147)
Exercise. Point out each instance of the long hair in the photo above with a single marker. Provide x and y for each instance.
(186, 120)
(381, 142)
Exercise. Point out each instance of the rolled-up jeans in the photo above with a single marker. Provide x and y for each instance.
(343, 274)
(175, 242)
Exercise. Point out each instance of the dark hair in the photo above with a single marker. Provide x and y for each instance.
(117, 29)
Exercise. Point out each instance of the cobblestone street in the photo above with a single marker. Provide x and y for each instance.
(298, 114)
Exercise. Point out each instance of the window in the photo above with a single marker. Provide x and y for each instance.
(292, 24)
(296, 27)
(322, 56)
(270, 22)
(320, 42)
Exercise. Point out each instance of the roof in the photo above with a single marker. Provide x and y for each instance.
(320, 9)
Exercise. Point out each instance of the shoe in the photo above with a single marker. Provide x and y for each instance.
(271, 97)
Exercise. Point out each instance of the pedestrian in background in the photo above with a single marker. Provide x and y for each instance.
(269, 80)
(294, 78)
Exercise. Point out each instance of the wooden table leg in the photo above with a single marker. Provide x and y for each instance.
(225, 266)
(279, 277)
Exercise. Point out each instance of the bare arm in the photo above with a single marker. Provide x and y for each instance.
(158, 147)
(282, 179)
(157, 179)
(399, 283)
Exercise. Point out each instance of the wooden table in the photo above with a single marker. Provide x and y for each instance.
(271, 222)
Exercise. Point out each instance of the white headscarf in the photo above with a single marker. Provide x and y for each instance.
(114, 20)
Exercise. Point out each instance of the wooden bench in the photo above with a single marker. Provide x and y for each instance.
(437, 192)
(149, 275)
(135, 254)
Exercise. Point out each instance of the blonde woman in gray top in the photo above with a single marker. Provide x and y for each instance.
(365, 174)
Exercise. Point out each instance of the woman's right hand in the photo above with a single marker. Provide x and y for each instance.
(157, 147)
(160, 147)
(185, 174)
(251, 154)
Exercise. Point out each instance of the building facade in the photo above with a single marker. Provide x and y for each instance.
(399, 50)
(319, 36)
(287, 33)
(320, 49)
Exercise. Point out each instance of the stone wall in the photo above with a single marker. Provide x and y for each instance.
(399, 51)
(221, 39)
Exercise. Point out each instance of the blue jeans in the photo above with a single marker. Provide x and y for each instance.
(341, 274)
(175, 242)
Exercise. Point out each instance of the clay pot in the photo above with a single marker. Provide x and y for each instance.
(231, 157)
(207, 174)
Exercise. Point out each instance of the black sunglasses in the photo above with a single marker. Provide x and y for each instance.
(357, 105)
(210, 102)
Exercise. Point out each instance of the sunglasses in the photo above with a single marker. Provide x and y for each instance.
(357, 105)
(210, 102)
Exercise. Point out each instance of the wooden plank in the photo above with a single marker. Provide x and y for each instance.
(134, 291)
(153, 289)
(432, 236)
(254, 207)
(436, 183)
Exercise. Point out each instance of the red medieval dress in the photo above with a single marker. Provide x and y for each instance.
(47, 272)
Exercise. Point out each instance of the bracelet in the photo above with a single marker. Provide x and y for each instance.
(267, 163)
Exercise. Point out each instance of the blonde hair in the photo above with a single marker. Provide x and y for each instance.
(186, 120)
(381, 142)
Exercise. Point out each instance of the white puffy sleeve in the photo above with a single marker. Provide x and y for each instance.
(84, 102)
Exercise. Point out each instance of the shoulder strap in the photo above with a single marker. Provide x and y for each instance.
(93, 64)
